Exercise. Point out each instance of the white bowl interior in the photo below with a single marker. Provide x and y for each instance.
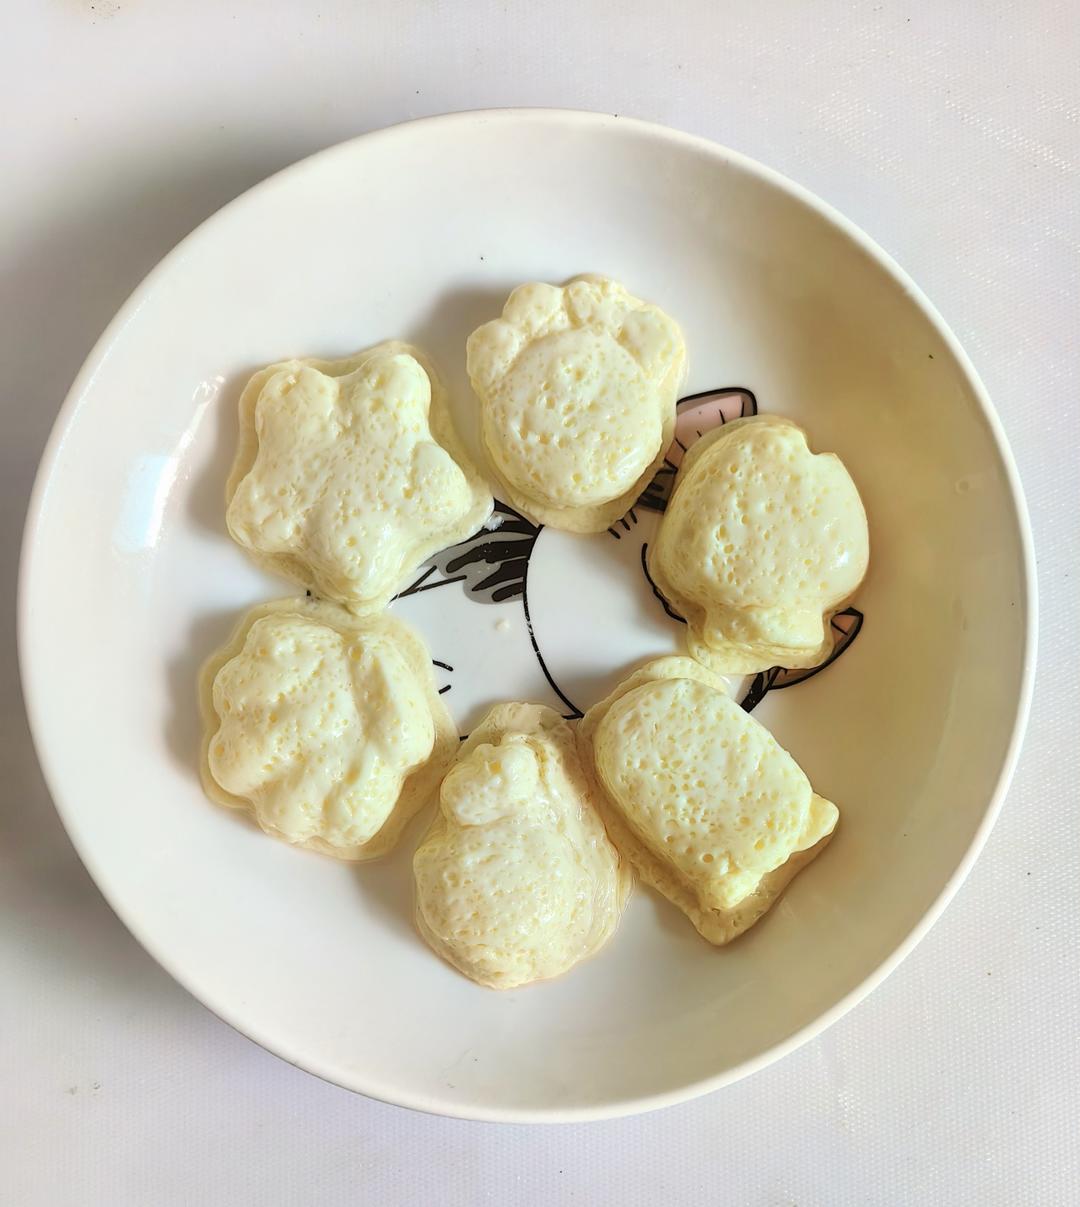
(130, 580)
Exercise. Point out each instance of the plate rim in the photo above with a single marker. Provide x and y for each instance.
(35, 693)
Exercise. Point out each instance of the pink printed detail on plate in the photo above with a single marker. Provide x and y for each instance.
(695, 415)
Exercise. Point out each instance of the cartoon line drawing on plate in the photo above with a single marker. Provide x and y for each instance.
(589, 606)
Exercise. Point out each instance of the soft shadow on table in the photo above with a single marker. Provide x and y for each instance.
(58, 291)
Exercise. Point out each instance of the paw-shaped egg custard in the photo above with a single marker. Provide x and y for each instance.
(516, 880)
(700, 797)
(349, 474)
(325, 726)
(762, 543)
(577, 389)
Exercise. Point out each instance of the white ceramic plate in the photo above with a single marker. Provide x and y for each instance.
(418, 232)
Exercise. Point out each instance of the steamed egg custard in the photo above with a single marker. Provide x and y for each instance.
(349, 474)
(326, 727)
(762, 543)
(700, 797)
(516, 880)
(577, 388)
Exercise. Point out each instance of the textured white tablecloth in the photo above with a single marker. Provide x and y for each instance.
(950, 131)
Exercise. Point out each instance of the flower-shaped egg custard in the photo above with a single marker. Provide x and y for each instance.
(700, 797)
(325, 726)
(577, 389)
(762, 543)
(516, 880)
(349, 474)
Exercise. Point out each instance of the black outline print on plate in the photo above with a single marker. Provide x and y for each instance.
(493, 564)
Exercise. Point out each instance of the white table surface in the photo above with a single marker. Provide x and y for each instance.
(950, 131)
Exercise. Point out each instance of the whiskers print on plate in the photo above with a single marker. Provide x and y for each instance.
(492, 563)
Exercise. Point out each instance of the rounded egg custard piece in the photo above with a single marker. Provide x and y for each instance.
(326, 727)
(700, 797)
(761, 544)
(516, 880)
(349, 474)
(577, 389)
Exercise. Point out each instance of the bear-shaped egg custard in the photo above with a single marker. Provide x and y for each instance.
(516, 881)
(349, 474)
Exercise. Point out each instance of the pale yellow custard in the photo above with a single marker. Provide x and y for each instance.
(516, 880)
(700, 797)
(577, 389)
(762, 542)
(326, 727)
(349, 474)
